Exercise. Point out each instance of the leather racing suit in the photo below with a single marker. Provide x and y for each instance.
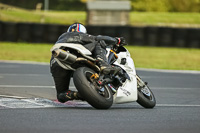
(96, 44)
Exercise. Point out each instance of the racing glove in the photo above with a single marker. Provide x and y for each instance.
(120, 41)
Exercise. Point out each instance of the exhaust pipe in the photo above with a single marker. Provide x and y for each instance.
(64, 56)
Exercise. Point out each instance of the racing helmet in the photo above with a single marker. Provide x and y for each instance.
(77, 27)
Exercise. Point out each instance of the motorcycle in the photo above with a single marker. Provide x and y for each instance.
(102, 89)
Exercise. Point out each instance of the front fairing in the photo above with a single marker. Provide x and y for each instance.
(128, 91)
(129, 65)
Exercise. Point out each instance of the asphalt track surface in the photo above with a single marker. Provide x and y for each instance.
(27, 104)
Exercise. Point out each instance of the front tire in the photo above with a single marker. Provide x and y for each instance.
(89, 91)
(146, 97)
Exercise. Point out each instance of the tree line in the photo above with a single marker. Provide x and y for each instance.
(166, 5)
(137, 5)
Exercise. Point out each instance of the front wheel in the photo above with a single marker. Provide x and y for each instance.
(100, 97)
(145, 96)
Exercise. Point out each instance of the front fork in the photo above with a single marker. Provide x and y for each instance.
(142, 86)
(140, 83)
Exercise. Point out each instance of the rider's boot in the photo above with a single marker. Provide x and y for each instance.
(68, 96)
(105, 67)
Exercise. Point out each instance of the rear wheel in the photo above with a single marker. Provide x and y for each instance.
(100, 97)
(145, 95)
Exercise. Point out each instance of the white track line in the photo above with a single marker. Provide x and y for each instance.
(30, 86)
(72, 87)
(173, 88)
(25, 86)
(177, 105)
(19, 74)
(24, 62)
(169, 71)
(16, 97)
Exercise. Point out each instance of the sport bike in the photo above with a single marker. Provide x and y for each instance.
(100, 88)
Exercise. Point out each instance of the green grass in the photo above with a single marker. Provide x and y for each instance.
(166, 58)
(25, 51)
(165, 18)
(144, 57)
(69, 17)
(51, 17)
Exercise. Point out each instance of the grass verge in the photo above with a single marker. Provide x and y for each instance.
(175, 19)
(52, 17)
(14, 14)
(166, 58)
(25, 51)
(144, 57)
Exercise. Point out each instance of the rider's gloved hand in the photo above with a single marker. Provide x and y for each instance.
(120, 41)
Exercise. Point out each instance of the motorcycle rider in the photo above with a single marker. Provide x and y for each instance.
(77, 34)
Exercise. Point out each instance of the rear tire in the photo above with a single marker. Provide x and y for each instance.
(89, 92)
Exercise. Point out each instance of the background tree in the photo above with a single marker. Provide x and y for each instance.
(166, 5)
(151, 5)
(137, 5)
(185, 5)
